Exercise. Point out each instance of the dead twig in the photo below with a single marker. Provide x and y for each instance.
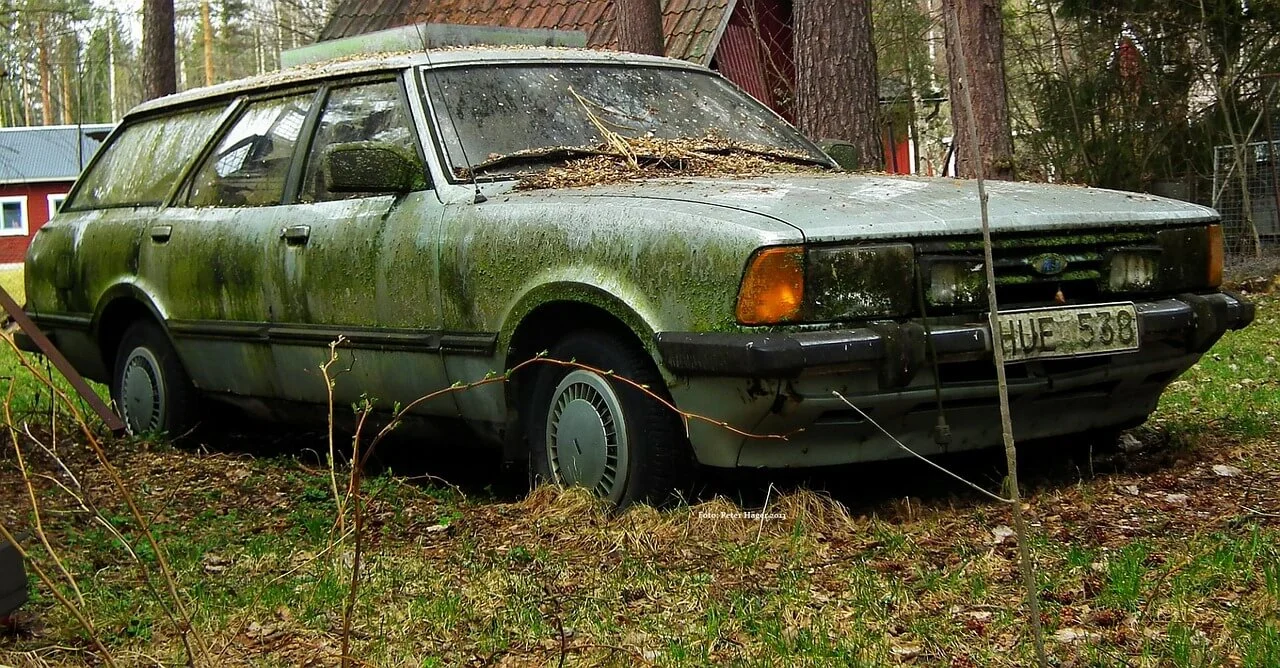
(333, 475)
(354, 495)
(615, 140)
(38, 523)
(685, 416)
(1025, 565)
(57, 594)
(183, 619)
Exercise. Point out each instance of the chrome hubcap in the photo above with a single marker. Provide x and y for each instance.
(587, 435)
(142, 392)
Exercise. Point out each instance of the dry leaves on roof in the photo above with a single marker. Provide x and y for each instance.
(650, 157)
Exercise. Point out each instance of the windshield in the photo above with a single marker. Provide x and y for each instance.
(517, 118)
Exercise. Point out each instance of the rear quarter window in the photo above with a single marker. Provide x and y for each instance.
(139, 167)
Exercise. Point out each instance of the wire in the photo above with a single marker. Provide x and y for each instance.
(917, 455)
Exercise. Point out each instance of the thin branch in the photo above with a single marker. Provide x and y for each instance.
(184, 627)
(993, 321)
(66, 603)
(35, 503)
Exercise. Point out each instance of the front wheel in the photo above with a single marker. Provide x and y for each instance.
(586, 428)
(151, 389)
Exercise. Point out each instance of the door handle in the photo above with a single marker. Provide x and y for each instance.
(161, 233)
(296, 235)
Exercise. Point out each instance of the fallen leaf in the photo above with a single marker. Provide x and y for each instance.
(1226, 470)
(1071, 634)
(907, 649)
(214, 563)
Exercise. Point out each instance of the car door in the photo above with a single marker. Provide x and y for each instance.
(215, 253)
(362, 265)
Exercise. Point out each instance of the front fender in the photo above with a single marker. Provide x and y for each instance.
(675, 267)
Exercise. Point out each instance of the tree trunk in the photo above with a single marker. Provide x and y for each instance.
(837, 85)
(67, 109)
(207, 28)
(639, 26)
(46, 77)
(160, 76)
(111, 70)
(981, 35)
(26, 102)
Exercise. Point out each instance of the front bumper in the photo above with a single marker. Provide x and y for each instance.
(783, 383)
(899, 350)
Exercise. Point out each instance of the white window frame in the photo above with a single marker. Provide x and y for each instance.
(53, 207)
(26, 226)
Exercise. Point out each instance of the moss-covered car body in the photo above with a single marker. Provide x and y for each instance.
(454, 280)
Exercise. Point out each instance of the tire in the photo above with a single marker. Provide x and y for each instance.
(626, 446)
(151, 390)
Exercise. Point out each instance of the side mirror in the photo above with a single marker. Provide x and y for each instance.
(842, 152)
(370, 167)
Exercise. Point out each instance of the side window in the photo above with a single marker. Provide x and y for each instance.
(139, 166)
(250, 165)
(14, 221)
(55, 201)
(367, 113)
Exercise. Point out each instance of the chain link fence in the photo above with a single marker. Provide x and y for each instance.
(1246, 191)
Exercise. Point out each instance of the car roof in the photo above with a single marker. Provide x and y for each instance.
(382, 62)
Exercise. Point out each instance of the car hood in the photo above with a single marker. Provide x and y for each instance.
(854, 206)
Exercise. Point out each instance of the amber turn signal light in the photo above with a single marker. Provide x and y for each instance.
(773, 287)
(1215, 256)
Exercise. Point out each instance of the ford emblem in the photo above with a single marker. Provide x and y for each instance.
(1049, 264)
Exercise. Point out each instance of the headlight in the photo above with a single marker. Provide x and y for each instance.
(789, 284)
(955, 282)
(1133, 270)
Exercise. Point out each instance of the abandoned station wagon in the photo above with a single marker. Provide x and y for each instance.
(451, 214)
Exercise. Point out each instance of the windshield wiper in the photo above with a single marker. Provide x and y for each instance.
(536, 155)
(785, 156)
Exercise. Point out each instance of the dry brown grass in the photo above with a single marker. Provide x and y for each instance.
(1149, 558)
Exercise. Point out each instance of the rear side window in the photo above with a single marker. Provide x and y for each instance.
(139, 167)
(251, 163)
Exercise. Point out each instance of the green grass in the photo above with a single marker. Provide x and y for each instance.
(11, 281)
(1186, 572)
(30, 396)
(1235, 389)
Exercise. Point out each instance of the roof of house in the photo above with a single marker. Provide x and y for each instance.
(48, 153)
(692, 27)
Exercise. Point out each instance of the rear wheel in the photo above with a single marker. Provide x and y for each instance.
(151, 389)
(589, 429)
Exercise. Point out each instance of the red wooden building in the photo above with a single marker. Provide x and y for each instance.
(748, 41)
(37, 167)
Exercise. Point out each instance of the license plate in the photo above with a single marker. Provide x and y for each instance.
(1042, 333)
